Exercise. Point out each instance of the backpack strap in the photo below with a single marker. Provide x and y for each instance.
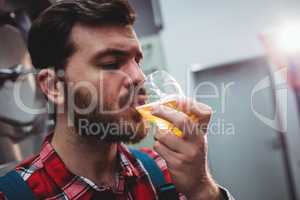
(165, 191)
(14, 187)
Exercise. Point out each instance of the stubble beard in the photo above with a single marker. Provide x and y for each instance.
(125, 124)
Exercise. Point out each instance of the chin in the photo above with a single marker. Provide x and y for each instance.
(139, 127)
(127, 127)
(140, 132)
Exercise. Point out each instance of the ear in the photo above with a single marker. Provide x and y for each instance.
(51, 86)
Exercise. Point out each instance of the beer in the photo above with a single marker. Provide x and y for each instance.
(145, 111)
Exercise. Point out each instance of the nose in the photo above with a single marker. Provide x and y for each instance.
(135, 75)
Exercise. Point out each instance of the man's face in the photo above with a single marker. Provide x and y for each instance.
(104, 81)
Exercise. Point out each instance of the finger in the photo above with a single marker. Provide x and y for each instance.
(177, 118)
(169, 156)
(189, 106)
(198, 112)
(171, 141)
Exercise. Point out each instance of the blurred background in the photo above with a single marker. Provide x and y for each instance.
(216, 52)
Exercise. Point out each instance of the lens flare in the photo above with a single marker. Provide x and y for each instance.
(287, 37)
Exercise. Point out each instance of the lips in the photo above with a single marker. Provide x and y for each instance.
(140, 97)
(139, 100)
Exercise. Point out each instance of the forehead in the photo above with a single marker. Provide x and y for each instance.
(96, 38)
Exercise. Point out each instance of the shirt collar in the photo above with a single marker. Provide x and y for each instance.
(129, 168)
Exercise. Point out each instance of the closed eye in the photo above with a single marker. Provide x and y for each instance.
(110, 66)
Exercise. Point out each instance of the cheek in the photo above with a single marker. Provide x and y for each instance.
(111, 89)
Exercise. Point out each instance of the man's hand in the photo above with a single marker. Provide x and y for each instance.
(186, 157)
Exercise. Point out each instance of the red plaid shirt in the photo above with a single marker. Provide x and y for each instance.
(49, 178)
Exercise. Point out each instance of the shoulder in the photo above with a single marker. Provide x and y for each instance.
(33, 172)
(27, 170)
(9, 168)
(29, 167)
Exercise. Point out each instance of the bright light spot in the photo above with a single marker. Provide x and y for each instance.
(287, 37)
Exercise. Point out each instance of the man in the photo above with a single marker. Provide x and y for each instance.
(93, 43)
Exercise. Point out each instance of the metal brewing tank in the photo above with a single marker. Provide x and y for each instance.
(21, 131)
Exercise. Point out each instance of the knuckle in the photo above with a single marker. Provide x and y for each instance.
(183, 122)
(205, 118)
(209, 109)
(208, 113)
(194, 153)
(180, 162)
(204, 107)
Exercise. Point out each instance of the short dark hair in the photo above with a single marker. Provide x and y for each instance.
(49, 41)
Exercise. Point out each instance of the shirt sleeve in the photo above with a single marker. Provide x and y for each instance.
(163, 167)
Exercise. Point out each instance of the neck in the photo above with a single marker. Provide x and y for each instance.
(85, 156)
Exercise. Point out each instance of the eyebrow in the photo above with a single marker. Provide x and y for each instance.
(114, 52)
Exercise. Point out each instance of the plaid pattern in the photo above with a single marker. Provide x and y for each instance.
(49, 178)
